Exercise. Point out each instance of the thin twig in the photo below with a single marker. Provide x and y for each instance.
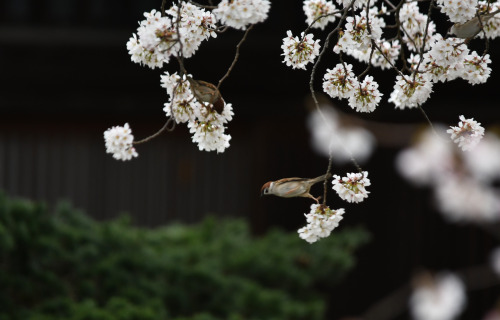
(163, 4)
(201, 5)
(319, 18)
(328, 173)
(236, 56)
(424, 40)
(431, 125)
(169, 122)
(311, 84)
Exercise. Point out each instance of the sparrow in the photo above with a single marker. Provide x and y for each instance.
(207, 92)
(292, 187)
(472, 27)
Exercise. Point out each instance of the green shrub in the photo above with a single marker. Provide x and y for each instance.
(64, 265)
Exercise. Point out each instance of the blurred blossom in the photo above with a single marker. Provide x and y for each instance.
(462, 181)
(495, 260)
(438, 298)
(484, 162)
(342, 140)
(492, 315)
(419, 165)
(466, 199)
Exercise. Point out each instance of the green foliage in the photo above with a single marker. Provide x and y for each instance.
(64, 265)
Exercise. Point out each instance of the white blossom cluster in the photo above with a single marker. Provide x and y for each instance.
(299, 52)
(476, 69)
(437, 59)
(239, 14)
(411, 91)
(413, 25)
(358, 33)
(158, 38)
(206, 125)
(118, 141)
(195, 26)
(462, 182)
(365, 97)
(468, 133)
(491, 26)
(446, 60)
(352, 188)
(321, 12)
(340, 82)
(179, 32)
(321, 221)
(385, 58)
(439, 298)
(459, 11)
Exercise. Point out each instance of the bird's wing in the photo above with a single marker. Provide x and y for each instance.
(292, 188)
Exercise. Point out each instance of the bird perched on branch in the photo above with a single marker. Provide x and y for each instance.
(207, 92)
(472, 27)
(293, 187)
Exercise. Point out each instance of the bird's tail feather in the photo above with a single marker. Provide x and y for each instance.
(322, 178)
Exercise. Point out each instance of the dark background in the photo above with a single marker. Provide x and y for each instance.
(67, 77)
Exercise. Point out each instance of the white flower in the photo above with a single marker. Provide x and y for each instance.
(458, 11)
(321, 221)
(119, 141)
(352, 187)
(412, 91)
(317, 8)
(239, 14)
(468, 133)
(366, 96)
(299, 52)
(442, 299)
(340, 82)
(476, 69)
